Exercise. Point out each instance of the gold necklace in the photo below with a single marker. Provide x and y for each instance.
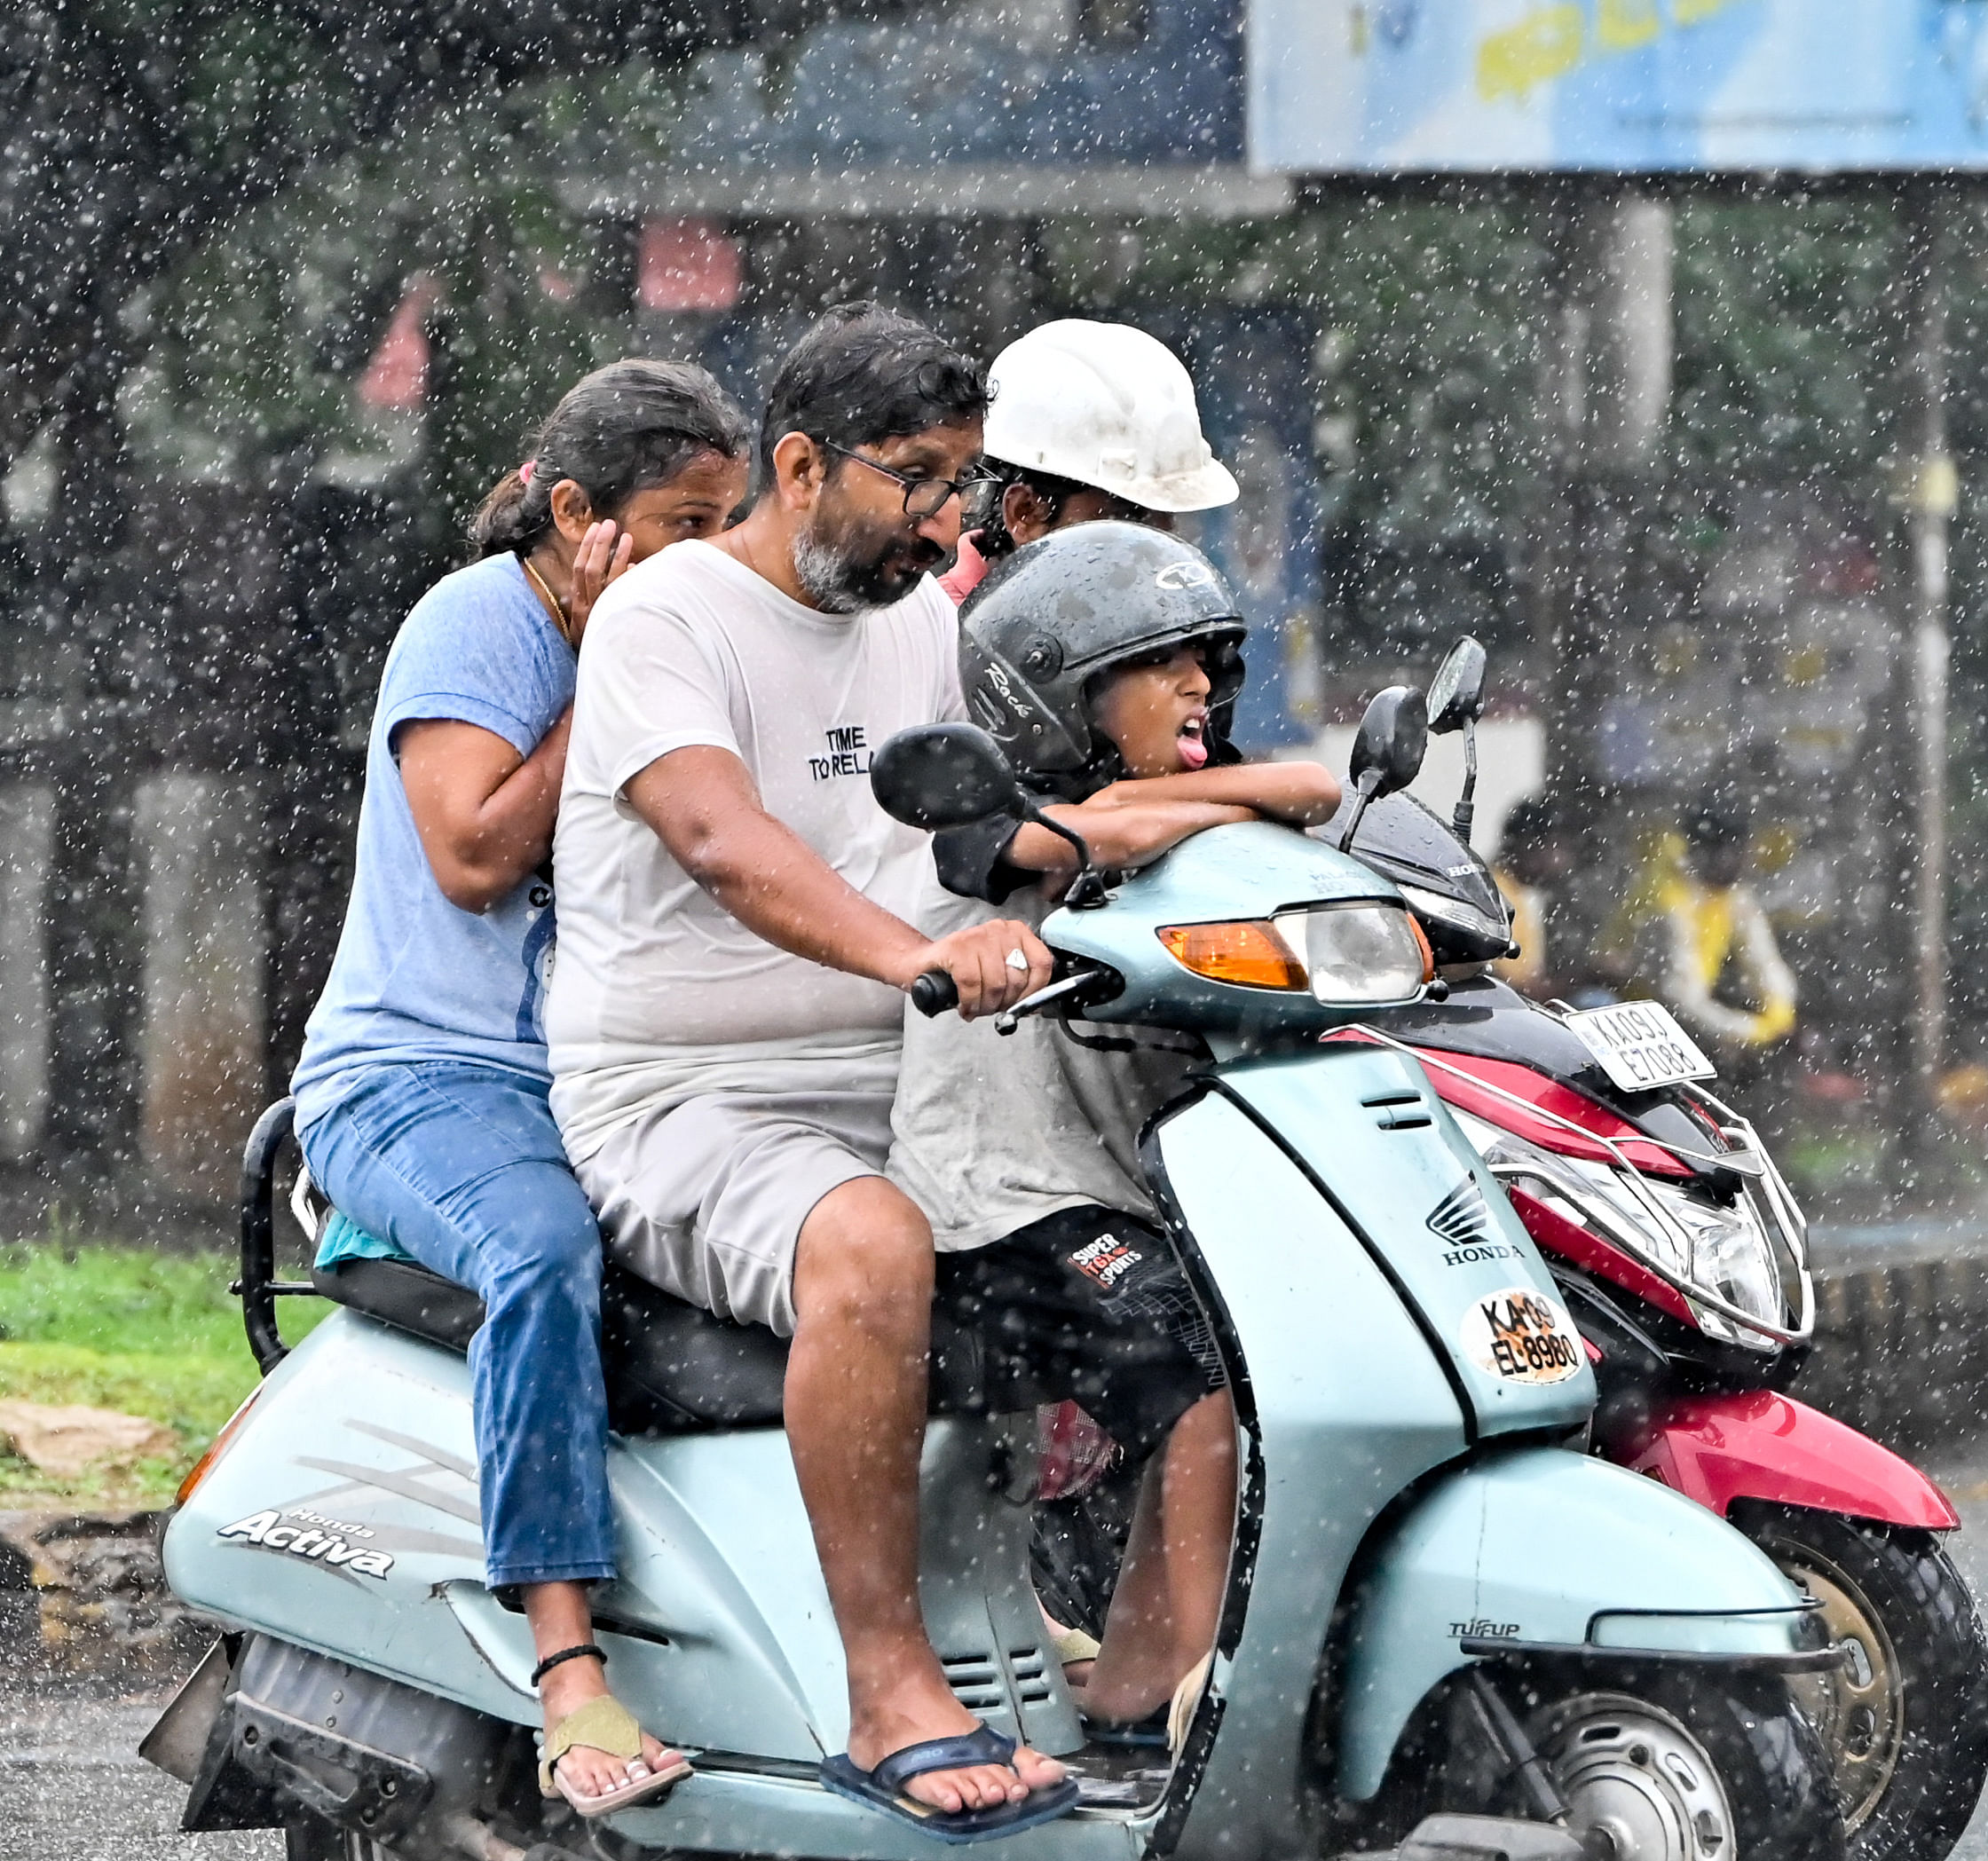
(551, 600)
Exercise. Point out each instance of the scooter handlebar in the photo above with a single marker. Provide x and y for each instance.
(933, 993)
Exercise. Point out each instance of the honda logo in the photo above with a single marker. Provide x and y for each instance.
(1461, 1215)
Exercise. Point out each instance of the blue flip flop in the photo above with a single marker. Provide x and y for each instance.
(881, 1788)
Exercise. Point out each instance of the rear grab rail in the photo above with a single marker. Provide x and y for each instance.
(258, 1288)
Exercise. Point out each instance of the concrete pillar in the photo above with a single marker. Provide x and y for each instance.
(1606, 389)
(1628, 384)
(27, 857)
(1929, 494)
(199, 847)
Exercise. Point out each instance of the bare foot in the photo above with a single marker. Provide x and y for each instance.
(591, 1772)
(1119, 1706)
(904, 1719)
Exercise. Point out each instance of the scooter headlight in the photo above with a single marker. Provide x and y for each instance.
(1731, 1255)
(1724, 1250)
(1358, 955)
(1589, 1194)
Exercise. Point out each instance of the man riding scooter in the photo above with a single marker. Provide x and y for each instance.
(1088, 420)
(724, 1019)
(1438, 1624)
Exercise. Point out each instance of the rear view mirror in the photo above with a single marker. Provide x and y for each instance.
(952, 775)
(1393, 737)
(1388, 751)
(945, 774)
(1456, 703)
(1456, 693)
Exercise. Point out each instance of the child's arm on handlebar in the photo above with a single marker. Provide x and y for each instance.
(1127, 833)
(1132, 822)
(1302, 794)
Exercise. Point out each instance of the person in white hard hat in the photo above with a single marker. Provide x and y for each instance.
(1088, 420)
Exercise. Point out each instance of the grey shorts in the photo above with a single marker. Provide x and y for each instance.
(706, 1199)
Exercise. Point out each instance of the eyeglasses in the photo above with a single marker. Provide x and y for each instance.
(923, 497)
(982, 501)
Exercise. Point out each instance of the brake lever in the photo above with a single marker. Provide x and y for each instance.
(1009, 1019)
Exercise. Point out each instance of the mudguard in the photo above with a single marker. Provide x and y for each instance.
(1531, 1545)
(1753, 1444)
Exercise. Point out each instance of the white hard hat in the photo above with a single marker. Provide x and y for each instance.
(1109, 406)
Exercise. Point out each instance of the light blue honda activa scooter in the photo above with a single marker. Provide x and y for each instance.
(1450, 1632)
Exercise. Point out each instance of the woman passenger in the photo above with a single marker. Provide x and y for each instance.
(422, 1092)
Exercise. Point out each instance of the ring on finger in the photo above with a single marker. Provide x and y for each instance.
(1017, 962)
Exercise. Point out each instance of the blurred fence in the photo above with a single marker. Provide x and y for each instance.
(1901, 1346)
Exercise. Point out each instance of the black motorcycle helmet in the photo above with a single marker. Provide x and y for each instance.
(1035, 634)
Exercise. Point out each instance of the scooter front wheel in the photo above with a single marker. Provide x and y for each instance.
(1696, 1766)
(1905, 1719)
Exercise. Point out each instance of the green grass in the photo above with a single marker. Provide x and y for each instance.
(124, 1327)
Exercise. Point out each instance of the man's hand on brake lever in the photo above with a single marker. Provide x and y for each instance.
(977, 960)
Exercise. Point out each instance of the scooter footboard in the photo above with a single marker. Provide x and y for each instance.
(1539, 1547)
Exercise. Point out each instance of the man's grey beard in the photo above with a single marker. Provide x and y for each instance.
(828, 575)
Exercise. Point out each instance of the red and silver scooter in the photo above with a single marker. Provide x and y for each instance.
(1683, 1257)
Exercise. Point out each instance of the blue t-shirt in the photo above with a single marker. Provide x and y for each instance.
(417, 978)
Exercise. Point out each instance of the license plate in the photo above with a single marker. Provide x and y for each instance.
(1641, 1047)
(1521, 1336)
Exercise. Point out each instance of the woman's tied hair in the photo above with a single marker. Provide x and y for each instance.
(624, 429)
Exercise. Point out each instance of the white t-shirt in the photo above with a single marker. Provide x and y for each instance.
(659, 994)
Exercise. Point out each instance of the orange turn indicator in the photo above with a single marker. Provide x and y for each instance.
(1251, 951)
(1428, 952)
(205, 1464)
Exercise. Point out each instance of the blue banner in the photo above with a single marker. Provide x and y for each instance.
(1477, 86)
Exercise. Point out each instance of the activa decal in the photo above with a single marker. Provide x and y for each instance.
(292, 1532)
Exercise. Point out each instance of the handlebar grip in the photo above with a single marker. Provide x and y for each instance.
(933, 993)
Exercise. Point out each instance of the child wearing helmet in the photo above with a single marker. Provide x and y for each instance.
(1105, 659)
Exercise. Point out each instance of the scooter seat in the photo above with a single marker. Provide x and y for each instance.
(672, 1367)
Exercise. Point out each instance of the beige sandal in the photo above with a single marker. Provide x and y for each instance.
(604, 1724)
(1072, 1645)
(1186, 1697)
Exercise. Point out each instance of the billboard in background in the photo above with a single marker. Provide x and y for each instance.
(1473, 86)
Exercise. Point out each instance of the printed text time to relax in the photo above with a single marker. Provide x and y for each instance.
(848, 754)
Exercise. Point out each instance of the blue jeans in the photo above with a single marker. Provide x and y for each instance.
(461, 1165)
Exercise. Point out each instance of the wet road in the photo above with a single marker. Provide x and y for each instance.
(73, 1788)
